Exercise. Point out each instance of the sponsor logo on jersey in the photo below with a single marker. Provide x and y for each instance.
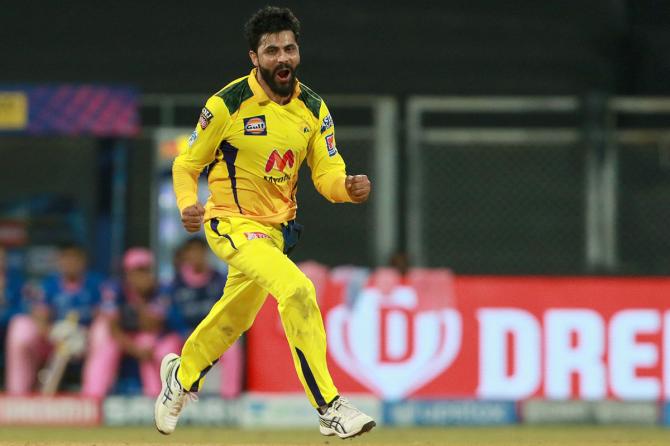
(327, 123)
(205, 117)
(279, 162)
(192, 138)
(255, 235)
(277, 180)
(330, 144)
(255, 125)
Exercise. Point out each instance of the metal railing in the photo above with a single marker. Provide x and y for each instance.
(593, 137)
(528, 185)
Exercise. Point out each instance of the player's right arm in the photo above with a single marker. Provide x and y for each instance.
(186, 168)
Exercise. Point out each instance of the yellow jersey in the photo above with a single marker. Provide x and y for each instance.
(253, 148)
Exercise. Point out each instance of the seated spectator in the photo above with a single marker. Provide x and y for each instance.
(11, 284)
(197, 286)
(131, 323)
(72, 294)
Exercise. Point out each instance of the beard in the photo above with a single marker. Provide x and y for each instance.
(279, 88)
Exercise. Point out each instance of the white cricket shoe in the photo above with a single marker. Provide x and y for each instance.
(344, 420)
(172, 398)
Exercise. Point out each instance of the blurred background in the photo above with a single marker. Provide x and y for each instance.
(520, 160)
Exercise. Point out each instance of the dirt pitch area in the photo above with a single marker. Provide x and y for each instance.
(451, 436)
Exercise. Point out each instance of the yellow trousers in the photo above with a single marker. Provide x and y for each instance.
(258, 266)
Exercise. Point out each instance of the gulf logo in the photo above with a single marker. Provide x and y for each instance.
(255, 125)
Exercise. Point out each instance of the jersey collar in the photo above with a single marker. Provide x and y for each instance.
(259, 93)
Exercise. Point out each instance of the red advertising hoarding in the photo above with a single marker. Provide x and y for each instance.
(434, 335)
(59, 410)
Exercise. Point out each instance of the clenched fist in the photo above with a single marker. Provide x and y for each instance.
(358, 187)
(192, 216)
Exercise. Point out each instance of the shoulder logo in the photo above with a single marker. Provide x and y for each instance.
(205, 117)
(330, 144)
(327, 123)
(192, 138)
(255, 125)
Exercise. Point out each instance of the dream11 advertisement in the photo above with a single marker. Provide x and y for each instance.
(436, 335)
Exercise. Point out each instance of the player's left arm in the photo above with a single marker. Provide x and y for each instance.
(329, 173)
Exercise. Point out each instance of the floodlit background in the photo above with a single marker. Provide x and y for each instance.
(510, 267)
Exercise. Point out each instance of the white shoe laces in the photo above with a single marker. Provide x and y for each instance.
(349, 409)
(181, 396)
(181, 399)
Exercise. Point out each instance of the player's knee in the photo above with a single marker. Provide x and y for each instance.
(246, 323)
(304, 291)
(301, 295)
(22, 331)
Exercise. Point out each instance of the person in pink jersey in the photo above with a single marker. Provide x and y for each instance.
(131, 323)
(72, 290)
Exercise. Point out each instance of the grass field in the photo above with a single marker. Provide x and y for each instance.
(452, 436)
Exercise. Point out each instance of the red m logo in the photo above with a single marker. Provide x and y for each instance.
(280, 162)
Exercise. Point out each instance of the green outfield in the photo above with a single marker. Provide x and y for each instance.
(452, 436)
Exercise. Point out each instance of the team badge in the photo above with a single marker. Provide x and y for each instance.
(327, 123)
(205, 117)
(330, 144)
(255, 125)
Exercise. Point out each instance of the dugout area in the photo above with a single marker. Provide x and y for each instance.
(64, 170)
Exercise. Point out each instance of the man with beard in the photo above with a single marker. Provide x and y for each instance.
(253, 135)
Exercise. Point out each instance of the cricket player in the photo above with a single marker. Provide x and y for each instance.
(72, 290)
(131, 322)
(252, 137)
